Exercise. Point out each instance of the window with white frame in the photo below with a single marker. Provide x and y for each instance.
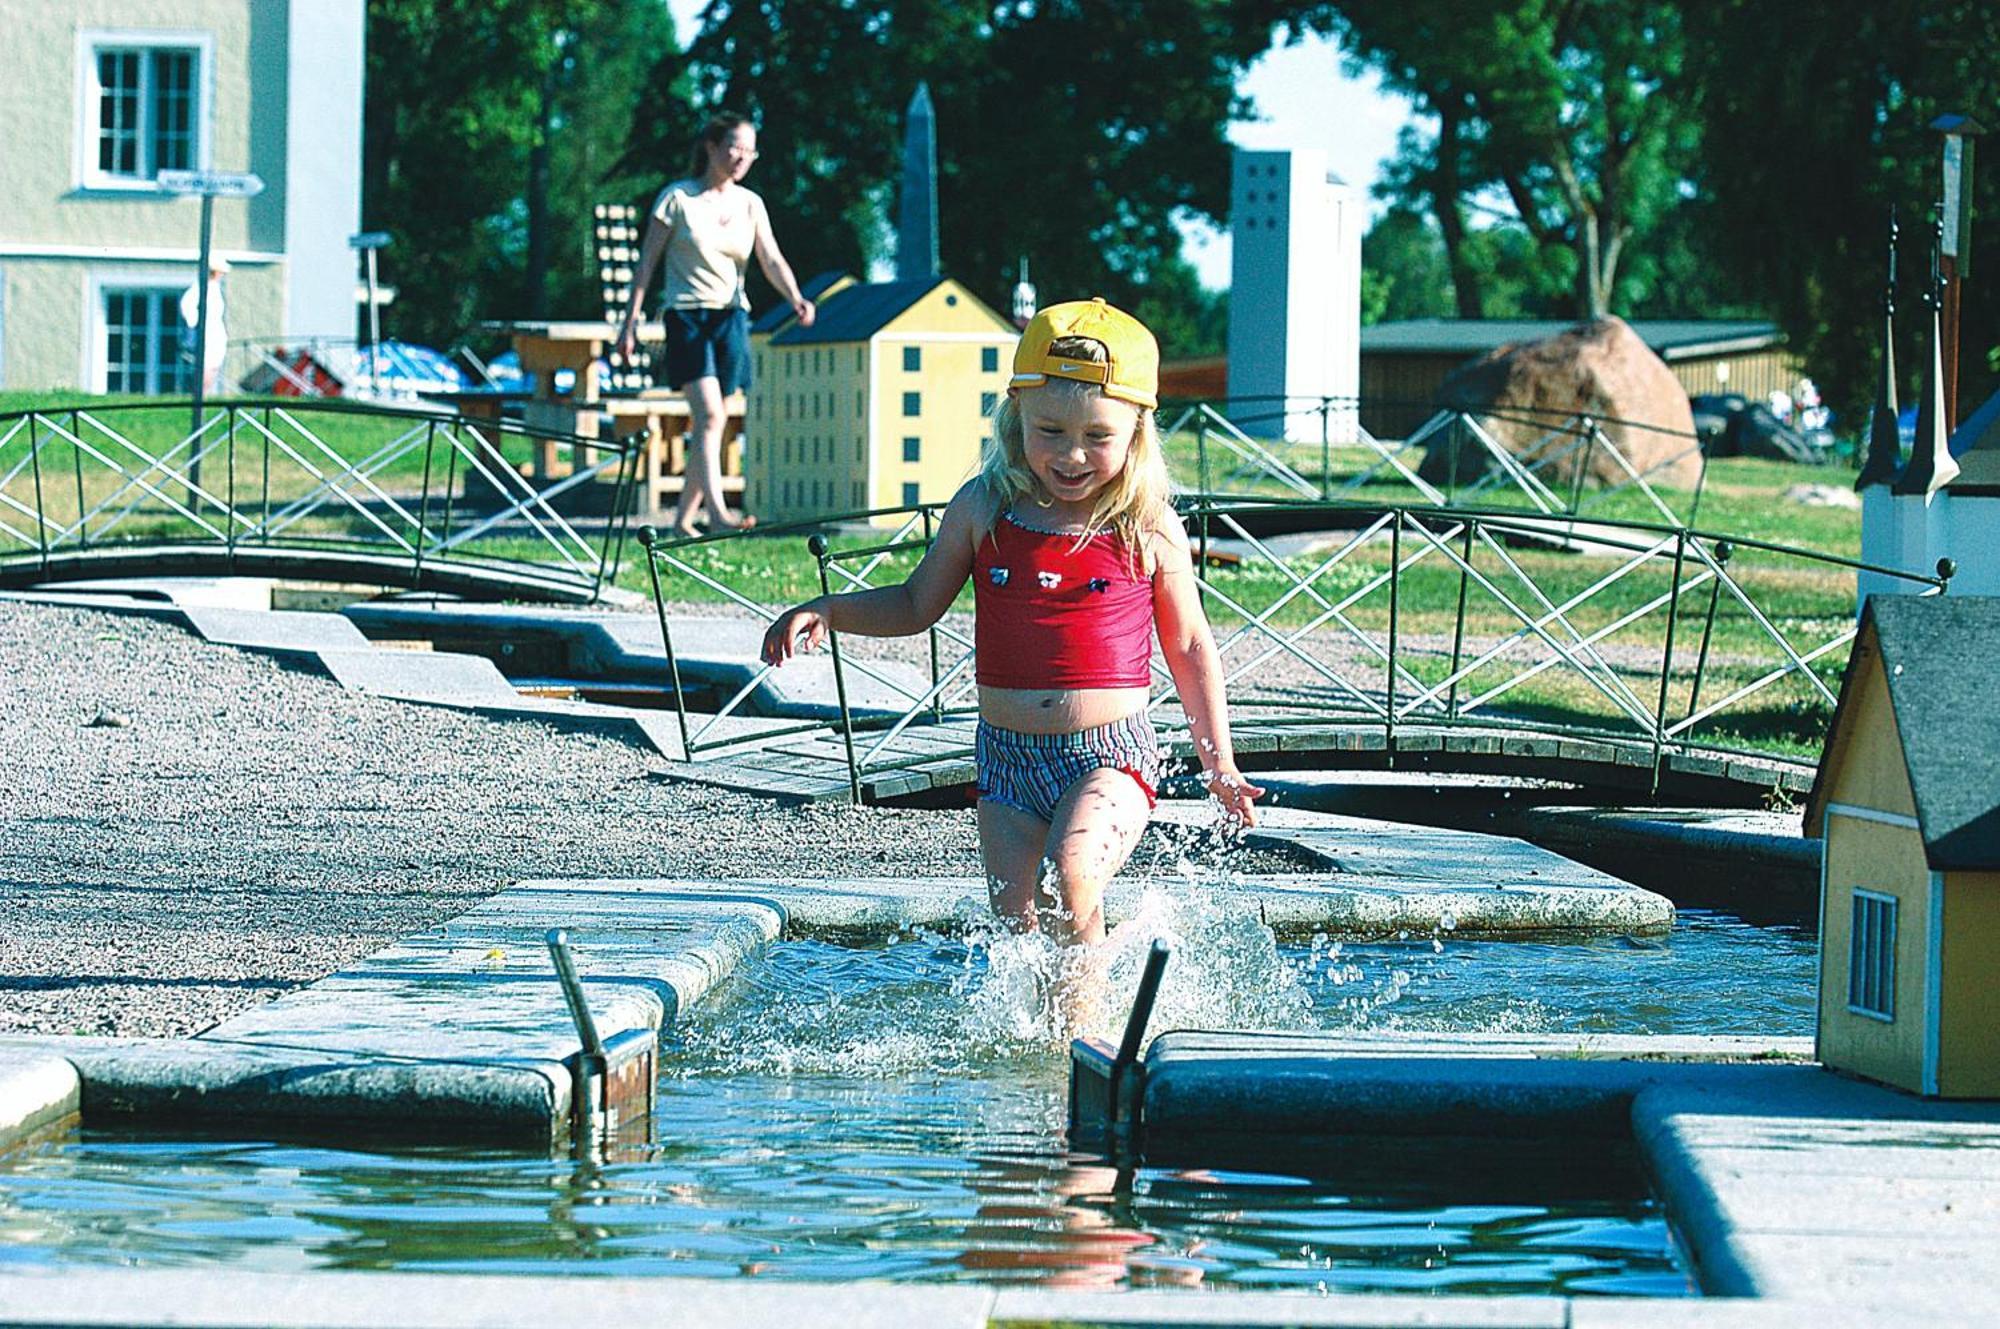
(1871, 956)
(143, 108)
(142, 339)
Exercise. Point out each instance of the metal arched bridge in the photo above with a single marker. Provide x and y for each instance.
(1657, 659)
(1397, 626)
(310, 489)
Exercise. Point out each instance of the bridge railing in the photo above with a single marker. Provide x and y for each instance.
(1414, 620)
(1552, 462)
(406, 491)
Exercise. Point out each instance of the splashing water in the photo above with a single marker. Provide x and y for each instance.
(992, 996)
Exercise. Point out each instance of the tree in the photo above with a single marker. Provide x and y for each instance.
(483, 148)
(1814, 131)
(1070, 131)
(1569, 110)
(1404, 271)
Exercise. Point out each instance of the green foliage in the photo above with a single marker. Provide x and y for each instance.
(461, 94)
(1404, 270)
(1068, 132)
(1570, 110)
(1814, 131)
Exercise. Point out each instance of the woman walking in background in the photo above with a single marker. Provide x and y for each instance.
(706, 227)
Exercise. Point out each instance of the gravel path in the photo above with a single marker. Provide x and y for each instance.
(187, 830)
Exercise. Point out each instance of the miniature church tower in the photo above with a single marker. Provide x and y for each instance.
(1942, 502)
(1294, 296)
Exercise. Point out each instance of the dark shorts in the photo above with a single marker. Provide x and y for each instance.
(1032, 772)
(708, 343)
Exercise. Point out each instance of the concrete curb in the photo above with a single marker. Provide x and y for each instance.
(458, 1031)
(229, 1299)
(38, 1092)
(210, 1081)
(236, 1299)
(1204, 1086)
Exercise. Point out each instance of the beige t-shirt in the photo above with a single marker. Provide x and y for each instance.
(710, 237)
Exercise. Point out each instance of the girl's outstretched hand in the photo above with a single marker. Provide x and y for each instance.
(1236, 794)
(783, 639)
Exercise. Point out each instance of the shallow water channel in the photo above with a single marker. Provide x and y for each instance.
(896, 1112)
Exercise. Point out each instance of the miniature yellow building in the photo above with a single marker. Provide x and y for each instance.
(882, 403)
(1907, 803)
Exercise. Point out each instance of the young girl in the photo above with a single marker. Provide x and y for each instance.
(1077, 559)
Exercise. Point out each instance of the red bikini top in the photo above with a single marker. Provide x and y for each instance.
(1055, 614)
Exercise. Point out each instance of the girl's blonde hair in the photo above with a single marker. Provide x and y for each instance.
(1134, 501)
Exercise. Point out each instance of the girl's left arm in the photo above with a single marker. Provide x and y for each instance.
(1192, 659)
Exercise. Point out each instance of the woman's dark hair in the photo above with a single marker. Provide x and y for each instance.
(713, 135)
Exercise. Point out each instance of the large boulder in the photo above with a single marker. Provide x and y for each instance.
(1522, 392)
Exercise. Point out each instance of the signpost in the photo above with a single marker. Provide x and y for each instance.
(368, 242)
(209, 185)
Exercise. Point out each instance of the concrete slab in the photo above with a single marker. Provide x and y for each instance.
(711, 652)
(456, 680)
(38, 1092)
(1819, 1187)
(1215, 1308)
(482, 988)
(460, 1030)
(224, 592)
(274, 631)
(1383, 878)
(229, 1299)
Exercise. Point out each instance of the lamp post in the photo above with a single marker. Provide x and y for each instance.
(1955, 259)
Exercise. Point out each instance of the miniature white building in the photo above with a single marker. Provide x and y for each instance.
(1294, 296)
(1944, 504)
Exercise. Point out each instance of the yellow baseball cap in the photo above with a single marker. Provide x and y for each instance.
(1131, 368)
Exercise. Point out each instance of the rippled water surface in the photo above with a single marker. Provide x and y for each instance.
(895, 1112)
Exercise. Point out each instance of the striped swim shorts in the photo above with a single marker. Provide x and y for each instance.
(1032, 772)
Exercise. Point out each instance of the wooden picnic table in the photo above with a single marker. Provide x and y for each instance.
(546, 349)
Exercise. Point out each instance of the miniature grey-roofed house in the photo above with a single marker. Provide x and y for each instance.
(1907, 803)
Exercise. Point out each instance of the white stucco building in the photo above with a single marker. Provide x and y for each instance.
(1294, 295)
(102, 95)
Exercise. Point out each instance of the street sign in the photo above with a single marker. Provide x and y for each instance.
(212, 184)
(369, 240)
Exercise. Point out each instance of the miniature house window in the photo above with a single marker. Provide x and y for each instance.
(913, 358)
(1871, 956)
(913, 449)
(910, 498)
(987, 401)
(989, 359)
(913, 403)
(142, 106)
